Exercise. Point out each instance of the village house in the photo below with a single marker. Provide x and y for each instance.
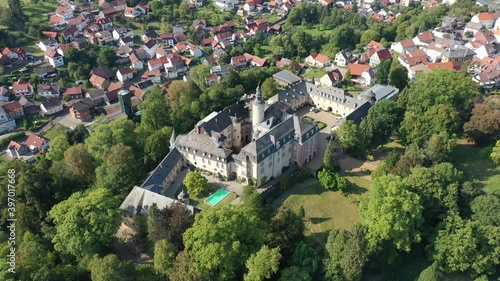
(485, 19)
(317, 60)
(136, 63)
(51, 106)
(154, 76)
(473, 27)
(47, 44)
(54, 58)
(343, 57)
(4, 94)
(380, 56)
(46, 71)
(65, 12)
(424, 39)
(150, 48)
(124, 74)
(105, 23)
(122, 32)
(7, 124)
(457, 55)
(48, 90)
(227, 5)
(83, 109)
(37, 144)
(74, 93)
(403, 46)
(412, 58)
(286, 78)
(19, 151)
(331, 79)
(14, 109)
(22, 88)
(29, 107)
(99, 82)
(361, 73)
(131, 12)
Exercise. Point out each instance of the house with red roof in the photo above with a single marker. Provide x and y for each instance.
(318, 60)
(361, 73)
(424, 39)
(379, 56)
(14, 109)
(239, 61)
(331, 78)
(18, 150)
(54, 58)
(74, 93)
(412, 58)
(403, 46)
(22, 88)
(65, 12)
(487, 19)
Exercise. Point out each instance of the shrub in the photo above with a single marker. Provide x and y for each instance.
(486, 152)
(321, 125)
(301, 176)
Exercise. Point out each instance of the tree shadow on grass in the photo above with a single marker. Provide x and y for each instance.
(318, 220)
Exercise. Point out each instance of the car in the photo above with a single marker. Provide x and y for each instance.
(314, 109)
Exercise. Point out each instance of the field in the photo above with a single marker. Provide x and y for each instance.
(481, 171)
(325, 210)
(37, 13)
(54, 132)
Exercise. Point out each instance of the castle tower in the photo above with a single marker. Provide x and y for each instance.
(258, 108)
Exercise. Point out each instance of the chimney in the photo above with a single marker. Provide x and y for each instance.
(197, 129)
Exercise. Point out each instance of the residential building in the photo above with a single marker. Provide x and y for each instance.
(4, 94)
(457, 55)
(74, 93)
(473, 27)
(361, 73)
(150, 48)
(54, 58)
(29, 107)
(22, 88)
(486, 19)
(403, 46)
(317, 60)
(14, 109)
(380, 92)
(37, 144)
(124, 74)
(136, 62)
(51, 106)
(49, 90)
(343, 57)
(380, 56)
(7, 124)
(286, 78)
(65, 12)
(83, 109)
(331, 79)
(19, 151)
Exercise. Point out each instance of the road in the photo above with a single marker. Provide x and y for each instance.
(491, 4)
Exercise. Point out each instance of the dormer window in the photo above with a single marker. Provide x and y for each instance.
(204, 154)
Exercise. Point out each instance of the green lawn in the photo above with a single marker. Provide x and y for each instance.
(37, 12)
(481, 171)
(324, 210)
(312, 73)
(200, 201)
(54, 132)
(271, 18)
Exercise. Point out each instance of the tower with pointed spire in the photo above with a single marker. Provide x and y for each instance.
(172, 140)
(258, 108)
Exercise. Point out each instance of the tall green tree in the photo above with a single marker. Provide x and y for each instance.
(120, 170)
(369, 35)
(184, 269)
(485, 209)
(349, 137)
(164, 256)
(495, 153)
(58, 146)
(269, 88)
(383, 72)
(262, 264)
(346, 254)
(286, 230)
(398, 76)
(222, 239)
(110, 268)
(107, 57)
(155, 148)
(154, 114)
(195, 183)
(483, 126)
(169, 224)
(327, 179)
(383, 119)
(305, 258)
(17, 16)
(392, 213)
(80, 162)
(86, 222)
(328, 159)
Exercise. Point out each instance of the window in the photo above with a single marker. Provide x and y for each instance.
(262, 170)
(270, 164)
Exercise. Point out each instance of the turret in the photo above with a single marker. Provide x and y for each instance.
(183, 197)
(258, 107)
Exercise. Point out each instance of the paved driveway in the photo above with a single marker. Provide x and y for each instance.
(69, 122)
(331, 121)
(233, 186)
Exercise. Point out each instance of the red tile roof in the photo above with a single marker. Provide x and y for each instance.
(74, 91)
(486, 16)
(12, 106)
(35, 140)
(357, 69)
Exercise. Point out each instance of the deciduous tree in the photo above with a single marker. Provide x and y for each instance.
(110, 268)
(485, 209)
(86, 222)
(80, 162)
(58, 146)
(484, 125)
(327, 179)
(154, 114)
(269, 88)
(262, 264)
(222, 239)
(164, 256)
(392, 213)
(195, 182)
(286, 230)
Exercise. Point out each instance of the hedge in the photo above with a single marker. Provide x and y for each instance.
(7, 140)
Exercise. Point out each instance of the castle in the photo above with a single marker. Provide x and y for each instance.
(249, 140)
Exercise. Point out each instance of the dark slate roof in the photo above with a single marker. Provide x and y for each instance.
(51, 103)
(84, 104)
(103, 72)
(162, 171)
(275, 114)
(144, 84)
(304, 129)
(287, 76)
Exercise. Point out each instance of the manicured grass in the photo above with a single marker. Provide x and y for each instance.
(212, 14)
(324, 210)
(482, 172)
(312, 73)
(54, 132)
(321, 125)
(37, 12)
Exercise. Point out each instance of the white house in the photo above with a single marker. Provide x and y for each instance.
(136, 63)
(249, 6)
(36, 143)
(403, 46)
(171, 73)
(318, 60)
(156, 64)
(49, 90)
(122, 32)
(4, 94)
(51, 106)
(54, 58)
(486, 19)
(7, 124)
(473, 27)
(132, 13)
(150, 48)
(195, 51)
(227, 5)
(65, 12)
(124, 74)
(344, 57)
(48, 44)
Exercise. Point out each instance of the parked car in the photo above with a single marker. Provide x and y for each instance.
(314, 109)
